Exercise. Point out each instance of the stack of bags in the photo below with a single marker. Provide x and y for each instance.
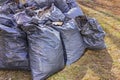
(40, 40)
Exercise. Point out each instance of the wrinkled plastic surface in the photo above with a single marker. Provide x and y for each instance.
(45, 47)
(6, 20)
(10, 7)
(74, 9)
(71, 3)
(53, 14)
(13, 48)
(22, 18)
(93, 34)
(73, 42)
(74, 12)
(45, 51)
(61, 4)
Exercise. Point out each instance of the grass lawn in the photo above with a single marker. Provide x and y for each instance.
(94, 65)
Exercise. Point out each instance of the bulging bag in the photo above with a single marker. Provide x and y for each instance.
(45, 51)
(53, 14)
(13, 47)
(92, 32)
(72, 41)
(45, 47)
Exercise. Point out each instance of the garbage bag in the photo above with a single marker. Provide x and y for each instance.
(93, 34)
(45, 47)
(74, 9)
(53, 14)
(10, 7)
(22, 18)
(45, 50)
(61, 4)
(13, 48)
(71, 3)
(74, 12)
(72, 41)
(7, 21)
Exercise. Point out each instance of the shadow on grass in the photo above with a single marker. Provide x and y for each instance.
(115, 40)
(100, 62)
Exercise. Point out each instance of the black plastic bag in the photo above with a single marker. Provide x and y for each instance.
(13, 47)
(45, 50)
(92, 32)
